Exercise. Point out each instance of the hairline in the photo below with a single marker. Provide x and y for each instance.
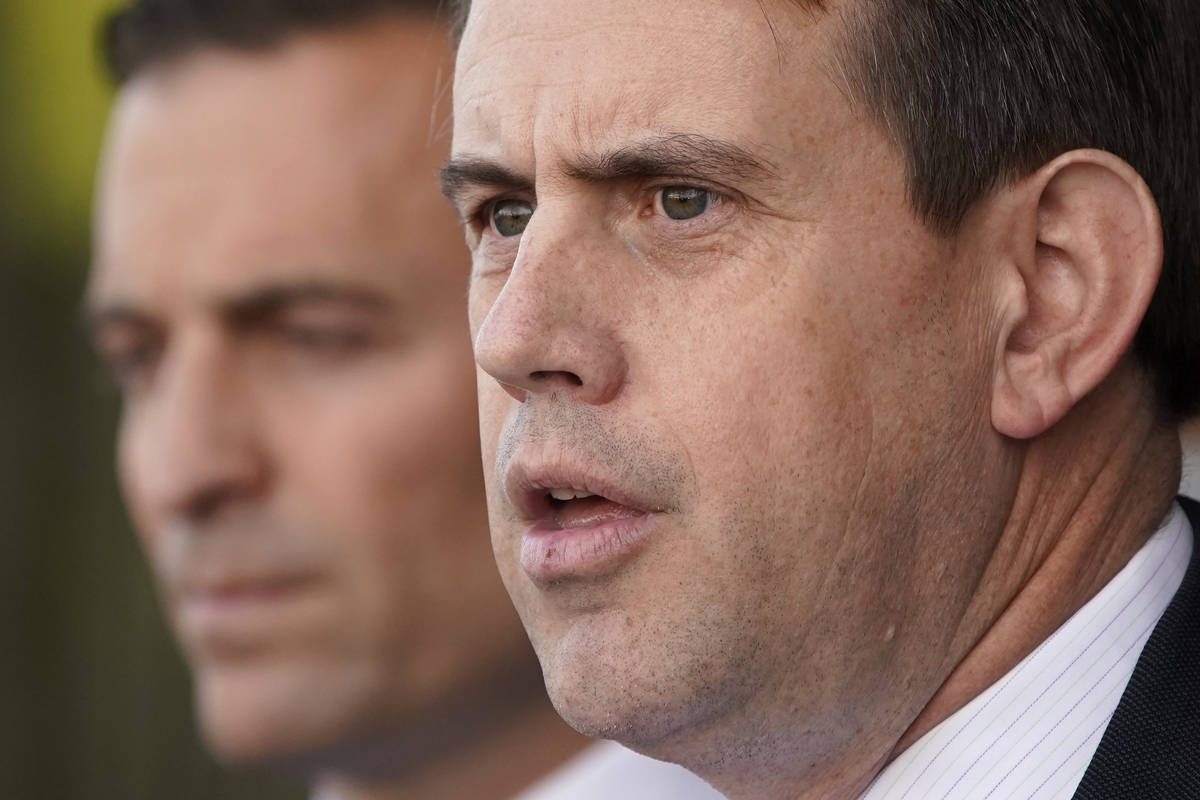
(202, 42)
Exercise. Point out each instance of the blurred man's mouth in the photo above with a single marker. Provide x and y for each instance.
(239, 612)
(238, 592)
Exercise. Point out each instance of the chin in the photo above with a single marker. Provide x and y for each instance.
(264, 719)
(611, 680)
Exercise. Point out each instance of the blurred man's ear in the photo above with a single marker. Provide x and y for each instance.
(1086, 254)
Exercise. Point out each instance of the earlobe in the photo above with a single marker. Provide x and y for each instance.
(1087, 278)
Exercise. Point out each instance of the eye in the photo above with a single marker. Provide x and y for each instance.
(683, 202)
(327, 339)
(131, 353)
(509, 217)
(131, 365)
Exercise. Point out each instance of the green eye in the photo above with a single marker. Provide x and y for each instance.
(509, 217)
(685, 202)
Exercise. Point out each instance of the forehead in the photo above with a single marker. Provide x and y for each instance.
(562, 75)
(322, 153)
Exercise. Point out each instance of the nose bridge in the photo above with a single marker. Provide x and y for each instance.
(198, 448)
(553, 326)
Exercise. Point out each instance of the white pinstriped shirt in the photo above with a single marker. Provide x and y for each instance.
(1031, 735)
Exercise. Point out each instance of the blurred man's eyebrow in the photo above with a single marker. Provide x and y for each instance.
(97, 317)
(681, 155)
(244, 306)
(264, 301)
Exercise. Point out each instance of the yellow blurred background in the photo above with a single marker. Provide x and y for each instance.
(93, 697)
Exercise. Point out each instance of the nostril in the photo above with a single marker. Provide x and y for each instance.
(571, 377)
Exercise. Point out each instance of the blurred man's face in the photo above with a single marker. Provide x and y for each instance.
(279, 291)
(730, 393)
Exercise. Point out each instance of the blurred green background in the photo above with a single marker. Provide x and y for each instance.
(93, 697)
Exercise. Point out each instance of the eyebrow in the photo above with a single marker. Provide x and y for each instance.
(461, 174)
(266, 301)
(679, 155)
(255, 304)
(96, 319)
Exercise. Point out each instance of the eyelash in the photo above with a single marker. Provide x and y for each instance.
(479, 215)
(717, 197)
(323, 338)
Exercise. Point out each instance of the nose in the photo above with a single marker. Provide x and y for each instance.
(552, 328)
(190, 447)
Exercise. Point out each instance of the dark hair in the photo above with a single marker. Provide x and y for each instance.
(977, 94)
(147, 33)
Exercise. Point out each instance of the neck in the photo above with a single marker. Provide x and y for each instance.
(1091, 492)
(499, 762)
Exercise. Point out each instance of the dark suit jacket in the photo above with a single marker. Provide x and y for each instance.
(1151, 748)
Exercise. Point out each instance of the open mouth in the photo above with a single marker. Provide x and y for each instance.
(572, 508)
(576, 524)
(562, 509)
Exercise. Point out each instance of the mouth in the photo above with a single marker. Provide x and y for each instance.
(242, 608)
(576, 525)
(243, 591)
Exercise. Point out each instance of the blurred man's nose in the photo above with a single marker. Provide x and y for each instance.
(196, 448)
(552, 327)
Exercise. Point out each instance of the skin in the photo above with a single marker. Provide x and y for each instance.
(1191, 447)
(278, 290)
(828, 410)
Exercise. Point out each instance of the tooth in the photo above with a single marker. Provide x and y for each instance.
(568, 494)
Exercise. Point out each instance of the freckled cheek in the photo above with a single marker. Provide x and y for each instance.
(759, 405)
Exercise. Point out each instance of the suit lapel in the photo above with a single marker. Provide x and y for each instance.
(1151, 748)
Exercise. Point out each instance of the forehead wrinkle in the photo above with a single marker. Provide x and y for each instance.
(686, 153)
(595, 116)
(572, 119)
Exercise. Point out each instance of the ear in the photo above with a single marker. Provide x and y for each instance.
(1087, 263)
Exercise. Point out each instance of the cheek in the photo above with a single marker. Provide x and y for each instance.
(748, 406)
(390, 455)
(495, 405)
(134, 475)
(484, 288)
(410, 442)
(393, 480)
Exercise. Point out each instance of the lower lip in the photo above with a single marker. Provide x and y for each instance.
(556, 554)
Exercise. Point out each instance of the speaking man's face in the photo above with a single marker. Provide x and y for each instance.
(279, 290)
(730, 392)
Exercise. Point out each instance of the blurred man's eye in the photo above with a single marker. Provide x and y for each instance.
(510, 217)
(129, 365)
(324, 338)
(130, 359)
(683, 202)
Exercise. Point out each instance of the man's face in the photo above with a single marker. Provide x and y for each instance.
(724, 324)
(278, 289)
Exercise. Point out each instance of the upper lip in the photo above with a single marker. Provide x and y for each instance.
(231, 583)
(528, 485)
